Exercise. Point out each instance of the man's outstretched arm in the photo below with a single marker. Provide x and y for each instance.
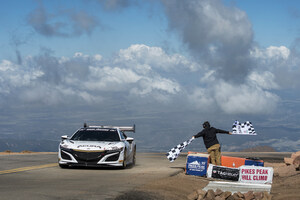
(223, 131)
(200, 134)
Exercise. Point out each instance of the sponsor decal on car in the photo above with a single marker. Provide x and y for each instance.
(88, 146)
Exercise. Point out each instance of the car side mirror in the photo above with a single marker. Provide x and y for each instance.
(64, 137)
(129, 139)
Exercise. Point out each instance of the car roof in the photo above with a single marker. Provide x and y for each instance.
(98, 129)
(121, 128)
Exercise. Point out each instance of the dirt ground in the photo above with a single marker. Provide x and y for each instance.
(175, 187)
(286, 182)
(286, 186)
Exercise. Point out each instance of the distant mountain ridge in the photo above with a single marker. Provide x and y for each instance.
(259, 149)
(17, 145)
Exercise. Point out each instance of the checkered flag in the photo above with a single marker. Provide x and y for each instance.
(174, 152)
(245, 128)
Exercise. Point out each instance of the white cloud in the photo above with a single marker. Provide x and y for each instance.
(110, 79)
(276, 67)
(97, 57)
(14, 75)
(219, 36)
(43, 93)
(86, 78)
(244, 98)
(202, 99)
(233, 99)
(138, 72)
(271, 52)
(208, 76)
(156, 57)
(6, 65)
(147, 85)
(251, 97)
(264, 80)
(278, 52)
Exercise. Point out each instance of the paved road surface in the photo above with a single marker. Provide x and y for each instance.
(37, 176)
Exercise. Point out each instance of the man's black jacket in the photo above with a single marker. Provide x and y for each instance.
(210, 136)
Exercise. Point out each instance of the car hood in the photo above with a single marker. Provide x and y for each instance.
(91, 145)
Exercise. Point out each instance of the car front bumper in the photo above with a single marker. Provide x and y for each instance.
(72, 157)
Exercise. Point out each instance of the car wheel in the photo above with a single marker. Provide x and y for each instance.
(124, 164)
(63, 166)
(134, 158)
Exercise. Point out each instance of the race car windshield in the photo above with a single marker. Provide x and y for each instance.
(96, 135)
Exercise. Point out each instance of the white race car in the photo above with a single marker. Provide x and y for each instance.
(98, 146)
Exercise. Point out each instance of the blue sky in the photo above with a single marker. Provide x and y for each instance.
(166, 66)
(117, 29)
(274, 22)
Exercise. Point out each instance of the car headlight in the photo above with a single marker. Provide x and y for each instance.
(64, 147)
(116, 149)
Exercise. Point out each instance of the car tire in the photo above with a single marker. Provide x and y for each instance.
(63, 166)
(134, 156)
(124, 164)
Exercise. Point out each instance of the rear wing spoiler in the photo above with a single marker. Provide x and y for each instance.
(121, 128)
